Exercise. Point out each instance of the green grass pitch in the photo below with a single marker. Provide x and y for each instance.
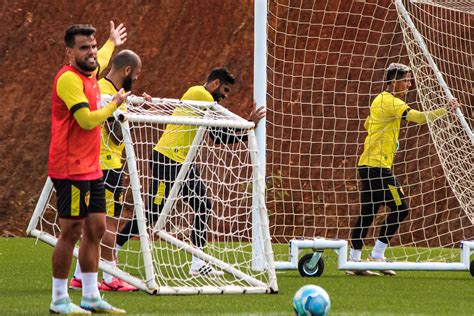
(25, 289)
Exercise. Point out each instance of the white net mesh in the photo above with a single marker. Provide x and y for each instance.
(326, 62)
(207, 212)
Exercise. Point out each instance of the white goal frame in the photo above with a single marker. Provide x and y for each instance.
(262, 253)
(341, 247)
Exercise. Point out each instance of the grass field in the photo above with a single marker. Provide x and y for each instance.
(25, 289)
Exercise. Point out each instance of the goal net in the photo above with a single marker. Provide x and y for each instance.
(212, 209)
(325, 64)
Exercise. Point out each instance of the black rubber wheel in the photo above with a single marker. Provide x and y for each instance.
(305, 271)
(471, 268)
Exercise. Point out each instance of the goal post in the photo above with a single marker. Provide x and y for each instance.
(222, 161)
(325, 64)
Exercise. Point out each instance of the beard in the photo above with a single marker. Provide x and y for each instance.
(85, 66)
(217, 95)
(127, 83)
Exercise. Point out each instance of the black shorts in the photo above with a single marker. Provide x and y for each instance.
(78, 198)
(379, 186)
(113, 191)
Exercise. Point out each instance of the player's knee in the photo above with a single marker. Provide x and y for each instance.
(94, 230)
(72, 231)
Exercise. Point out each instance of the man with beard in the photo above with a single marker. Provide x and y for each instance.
(168, 156)
(126, 67)
(73, 164)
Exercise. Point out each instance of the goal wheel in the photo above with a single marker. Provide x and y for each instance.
(311, 267)
(471, 268)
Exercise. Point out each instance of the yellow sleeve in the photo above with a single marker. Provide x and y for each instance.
(399, 107)
(70, 89)
(197, 93)
(423, 117)
(89, 120)
(104, 54)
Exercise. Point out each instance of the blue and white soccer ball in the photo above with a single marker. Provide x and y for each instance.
(311, 300)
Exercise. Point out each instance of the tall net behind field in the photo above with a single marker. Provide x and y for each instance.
(326, 62)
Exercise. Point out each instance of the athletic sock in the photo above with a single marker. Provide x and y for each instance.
(379, 250)
(196, 263)
(108, 277)
(59, 289)
(89, 285)
(355, 255)
(78, 272)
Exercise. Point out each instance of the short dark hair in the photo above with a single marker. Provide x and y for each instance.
(396, 71)
(77, 29)
(125, 58)
(222, 74)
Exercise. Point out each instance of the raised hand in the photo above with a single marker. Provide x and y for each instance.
(117, 35)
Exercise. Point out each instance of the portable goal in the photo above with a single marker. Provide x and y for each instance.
(157, 260)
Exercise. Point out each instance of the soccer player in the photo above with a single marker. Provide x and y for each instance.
(73, 164)
(126, 67)
(167, 158)
(379, 185)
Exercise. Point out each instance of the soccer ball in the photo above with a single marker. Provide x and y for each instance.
(311, 300)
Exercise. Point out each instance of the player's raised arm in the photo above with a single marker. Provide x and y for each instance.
(117, 37)
(430, 116)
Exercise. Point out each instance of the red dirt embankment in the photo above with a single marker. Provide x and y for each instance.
(179, 42)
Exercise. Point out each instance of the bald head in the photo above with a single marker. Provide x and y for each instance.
(126, 66)
(126, 58)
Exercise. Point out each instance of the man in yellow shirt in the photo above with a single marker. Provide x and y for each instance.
(73, 164)
(379, 186)
(169, 154)
(126, 67)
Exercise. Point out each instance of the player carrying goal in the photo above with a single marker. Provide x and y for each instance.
(168, 156)
(378, 185)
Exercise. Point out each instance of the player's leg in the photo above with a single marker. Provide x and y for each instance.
(89, 251)
(114, 204)
(371, 198)
(71, 211)
(395, 200)
(398, 205)
(195, 194)
(164, 172)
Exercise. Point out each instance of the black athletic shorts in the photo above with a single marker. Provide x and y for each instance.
(113, 191)
(379, 186)
(78, 198)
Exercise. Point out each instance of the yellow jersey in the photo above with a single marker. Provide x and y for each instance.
(383, 128)
(177, 139)
(110, 153)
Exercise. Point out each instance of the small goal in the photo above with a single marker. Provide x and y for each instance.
(158, 258)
